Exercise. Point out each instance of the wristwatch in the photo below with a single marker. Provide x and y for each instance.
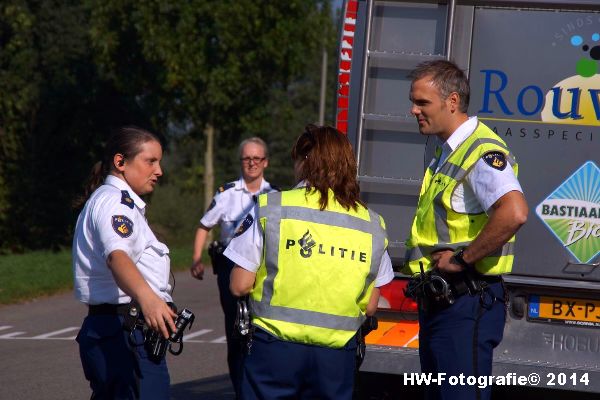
(458, 256)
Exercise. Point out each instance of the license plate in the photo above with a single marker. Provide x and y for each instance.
(564, 310)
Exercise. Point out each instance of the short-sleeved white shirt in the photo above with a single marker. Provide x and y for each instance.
(231, 204)
(113, 219)
(483, 185)
(246, 251)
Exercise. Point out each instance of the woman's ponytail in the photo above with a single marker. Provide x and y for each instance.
(95, 179)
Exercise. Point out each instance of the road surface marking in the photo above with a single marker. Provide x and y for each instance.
(188, 336)
(222, 339)
(47, 335)
(11, 335)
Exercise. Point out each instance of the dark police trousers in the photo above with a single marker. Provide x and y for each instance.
(277, 369)
(461, 338)
(115, 368)
(229, 305)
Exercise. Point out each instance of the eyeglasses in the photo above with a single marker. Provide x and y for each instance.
(255, 160)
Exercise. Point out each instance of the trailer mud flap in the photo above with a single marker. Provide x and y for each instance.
(396, 333)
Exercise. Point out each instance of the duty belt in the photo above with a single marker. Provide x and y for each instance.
(108, 309)
(112, 309)
(439, 289)
(461, 283)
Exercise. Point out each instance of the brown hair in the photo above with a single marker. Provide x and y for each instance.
(447, 77)
(326, 161)
(127, 141)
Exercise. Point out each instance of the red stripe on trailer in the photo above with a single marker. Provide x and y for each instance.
(345, 64)
(344, 90)
(352, 5)
(342, 126)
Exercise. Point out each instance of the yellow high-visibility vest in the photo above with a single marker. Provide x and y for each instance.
(437, 226)
(318, 267)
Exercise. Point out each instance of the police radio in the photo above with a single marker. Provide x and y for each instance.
(155, 343)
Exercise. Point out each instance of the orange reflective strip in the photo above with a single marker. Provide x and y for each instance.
(401, 334)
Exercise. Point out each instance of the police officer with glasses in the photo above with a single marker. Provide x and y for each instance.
(312, 260)
(470, 207)
(117, 259)
(230, 205)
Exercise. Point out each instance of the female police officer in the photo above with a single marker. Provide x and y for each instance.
(312, 259)
(117, 259)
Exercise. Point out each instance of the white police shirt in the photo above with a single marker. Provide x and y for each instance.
(113, 219)
(231, 204)
(246, 249)
(483, 185)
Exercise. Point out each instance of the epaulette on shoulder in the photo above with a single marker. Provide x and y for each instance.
(126, 199)
(225, 187)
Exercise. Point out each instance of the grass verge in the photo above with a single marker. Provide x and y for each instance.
(43, 273)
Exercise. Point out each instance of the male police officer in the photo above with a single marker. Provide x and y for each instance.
(231, 204)
(470, 207)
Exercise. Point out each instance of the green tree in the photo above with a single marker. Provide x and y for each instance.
(55, 112)
(227, 69)
(19, 84)
(206, 73)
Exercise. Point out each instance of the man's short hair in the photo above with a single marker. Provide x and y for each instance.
(447, 77)
(255, 140)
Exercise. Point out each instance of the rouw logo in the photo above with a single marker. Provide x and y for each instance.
(574, 100)
(585, 66)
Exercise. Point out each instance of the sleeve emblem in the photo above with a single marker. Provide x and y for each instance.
(122, 225)
(247, 223)
(495, 159)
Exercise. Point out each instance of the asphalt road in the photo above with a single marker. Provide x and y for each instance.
(39, 357)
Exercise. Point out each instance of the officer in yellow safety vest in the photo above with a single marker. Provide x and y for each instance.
(470, 207)
(312, 260)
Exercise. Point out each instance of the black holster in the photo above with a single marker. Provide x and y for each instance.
(367, 327)
(215, 252)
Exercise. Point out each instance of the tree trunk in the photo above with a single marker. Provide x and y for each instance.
(209, 172)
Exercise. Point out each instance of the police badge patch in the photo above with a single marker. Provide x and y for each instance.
(247, 223)
(495, 159)
(126, 199)
(122, 225)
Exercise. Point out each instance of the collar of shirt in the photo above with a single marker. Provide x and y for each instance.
(122, 185)
(458, 136)
(301, 184)
(240, 184)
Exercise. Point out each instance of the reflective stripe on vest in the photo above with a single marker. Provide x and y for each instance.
(433, 229)
(318, 327)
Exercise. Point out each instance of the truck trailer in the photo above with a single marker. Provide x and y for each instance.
(534, 70)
